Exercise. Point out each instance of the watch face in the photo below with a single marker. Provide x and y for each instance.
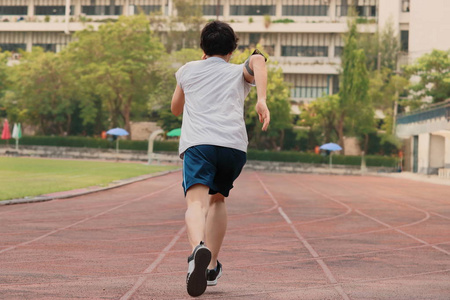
(260, 53)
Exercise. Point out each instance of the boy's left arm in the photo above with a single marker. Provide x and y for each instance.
(177, 101)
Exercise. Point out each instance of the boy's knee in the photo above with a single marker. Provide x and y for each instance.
(216, 198)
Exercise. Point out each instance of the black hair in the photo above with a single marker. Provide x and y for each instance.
(218, 38)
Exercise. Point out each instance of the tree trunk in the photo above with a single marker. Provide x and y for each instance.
(366, 142)
(126, 118)
(340, 131)
(282, 139)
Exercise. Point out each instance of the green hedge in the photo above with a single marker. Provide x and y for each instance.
(172, 146)
(302, 157)
(89, 142)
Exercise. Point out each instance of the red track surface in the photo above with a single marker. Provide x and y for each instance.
(289, 237)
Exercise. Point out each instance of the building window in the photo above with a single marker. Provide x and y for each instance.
(363, 8)
(252, 10)
(13, 47)
(305, 10)
(146, 9)
(46, 47)
(404, 40)
(338, 51)
(335, 84)
(102, 10)
(405, 5)
(306, 51)
(50, 10)
(13, 10)
(309, 91)
(269, 49)
(211, 10)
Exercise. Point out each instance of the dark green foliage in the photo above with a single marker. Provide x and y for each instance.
(302, 157)
(283, 21)
(89, 142)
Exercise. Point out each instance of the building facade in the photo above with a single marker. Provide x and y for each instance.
(304, 36)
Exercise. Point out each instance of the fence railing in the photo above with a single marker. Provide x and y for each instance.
(434, 111)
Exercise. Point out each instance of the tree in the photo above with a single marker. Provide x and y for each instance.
(117, 64)
(160, 99)
(433, 69)
(3, 79)
(321, 116)
(353, 94)
(43, 91)
(277, 102)
(185, 28)
(380, 48)
(384, 91)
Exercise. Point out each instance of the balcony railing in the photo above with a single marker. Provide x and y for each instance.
(435, 111)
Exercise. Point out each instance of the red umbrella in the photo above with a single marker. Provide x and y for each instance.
(6, 133)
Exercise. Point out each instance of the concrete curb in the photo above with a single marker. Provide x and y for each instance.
(85, 191)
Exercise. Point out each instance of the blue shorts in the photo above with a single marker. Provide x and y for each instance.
(214, 166)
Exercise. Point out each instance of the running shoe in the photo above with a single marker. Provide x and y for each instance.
(198, 263)
(213, 275)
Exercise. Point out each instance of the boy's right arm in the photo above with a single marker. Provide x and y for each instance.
(177, 101)
(257, 64)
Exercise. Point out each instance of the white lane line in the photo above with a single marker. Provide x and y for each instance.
(307, 245)
(88, 218)
(439, 215)
(153, 265)
(402, 232)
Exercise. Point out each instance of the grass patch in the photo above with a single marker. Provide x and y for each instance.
(26, 177)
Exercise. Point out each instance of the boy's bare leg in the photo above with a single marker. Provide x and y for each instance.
(216, 226)
(197, 199)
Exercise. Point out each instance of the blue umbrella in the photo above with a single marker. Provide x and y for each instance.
(331, 147)
(118, 132)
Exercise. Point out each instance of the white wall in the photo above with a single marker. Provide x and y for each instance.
(437, 151)
(447, 152)
(429, 26)
(389, 11)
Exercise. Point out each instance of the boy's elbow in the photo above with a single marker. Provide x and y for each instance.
(176, 111)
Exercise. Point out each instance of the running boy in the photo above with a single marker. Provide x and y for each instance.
(210, 93)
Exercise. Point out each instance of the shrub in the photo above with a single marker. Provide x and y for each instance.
(89, 142)
(304, 157)
(283, 21)
(172, 146)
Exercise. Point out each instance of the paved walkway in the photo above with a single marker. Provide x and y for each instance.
(290, 236)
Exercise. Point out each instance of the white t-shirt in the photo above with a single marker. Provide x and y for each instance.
(213, 112)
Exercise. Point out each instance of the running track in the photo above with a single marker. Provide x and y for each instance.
(290, 236)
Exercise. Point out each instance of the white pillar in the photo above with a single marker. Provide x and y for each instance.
(125, 8)
(277, 50)
(447, 152)
(331, 45)
(332, 10)
(437, 152)
(170, 8)
(29, 40)
(77, 11)
(30, 8)
(226, 9)
(279, 9)
(424, 153)
(66, 20)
